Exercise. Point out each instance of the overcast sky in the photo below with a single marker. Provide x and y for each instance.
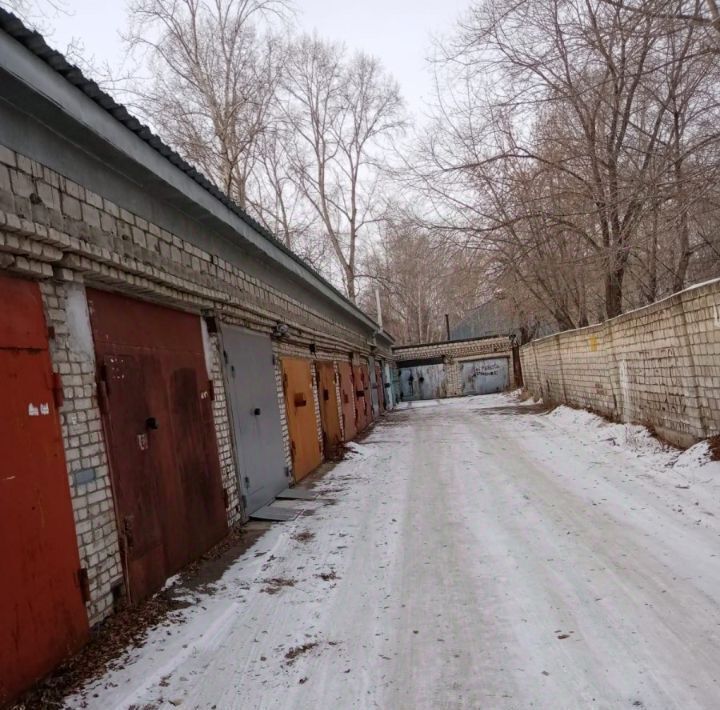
(397, 31)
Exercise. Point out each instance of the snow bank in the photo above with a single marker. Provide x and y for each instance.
(637, 441)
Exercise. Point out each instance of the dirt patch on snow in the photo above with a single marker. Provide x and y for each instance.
(292, 655)
(714, 448)
(304, 536)
(275, 584)
(514, 410)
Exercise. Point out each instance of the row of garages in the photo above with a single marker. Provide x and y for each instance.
(156, 396)
(167, 367)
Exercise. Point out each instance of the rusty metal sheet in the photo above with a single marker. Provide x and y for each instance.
(22, 322)
(380, 386)
(156, 400)
(367, 386)
(42, 612)
(363, 401)
(329, 409)
(347, 393)
(374, 395)
(302, 425)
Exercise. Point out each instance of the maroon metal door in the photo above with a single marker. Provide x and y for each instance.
(380, 386)
(42, 614)
(157, 409)
(347, 392)
(329, 408)
(363, 401)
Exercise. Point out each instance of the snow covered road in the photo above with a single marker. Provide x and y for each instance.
(472, 553)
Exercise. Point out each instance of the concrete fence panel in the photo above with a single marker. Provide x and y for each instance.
(658, 365)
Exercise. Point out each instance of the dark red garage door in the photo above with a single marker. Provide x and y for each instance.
(42, 614)
(156, 400)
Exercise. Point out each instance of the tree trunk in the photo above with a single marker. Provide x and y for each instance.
(613, 292)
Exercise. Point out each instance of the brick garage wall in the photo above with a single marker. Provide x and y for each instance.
(659, 366)
(73, 358)
(455, 353)
(223, 430)
(67, 235)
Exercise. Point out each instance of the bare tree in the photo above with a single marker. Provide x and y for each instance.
(699, 13)
(344, 113)
(420, 279)
(215, 69)
(572, 140)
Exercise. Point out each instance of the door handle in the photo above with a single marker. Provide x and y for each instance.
(256, 411)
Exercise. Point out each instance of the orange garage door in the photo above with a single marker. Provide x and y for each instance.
(302, 425)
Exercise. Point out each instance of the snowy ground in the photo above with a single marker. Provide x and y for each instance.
(473, 554)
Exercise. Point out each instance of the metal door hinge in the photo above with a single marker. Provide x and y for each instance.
(211, 390)
(57, 390)
(226, 498)
(84, 584)
(102, 395)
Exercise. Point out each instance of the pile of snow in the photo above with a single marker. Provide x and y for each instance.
(638, 441)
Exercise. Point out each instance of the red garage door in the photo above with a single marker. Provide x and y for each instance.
(156, 400)
(42, 614)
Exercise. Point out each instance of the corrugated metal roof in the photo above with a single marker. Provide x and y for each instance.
(35, 42)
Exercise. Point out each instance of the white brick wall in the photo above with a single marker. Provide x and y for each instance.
(659, 366)
(223, 434)
(89, 475)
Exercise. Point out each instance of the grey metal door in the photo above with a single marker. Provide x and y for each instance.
(396, 388)
(387, 384)
(485, 376)
(373, 388)
(259, 450)
(423, 382)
